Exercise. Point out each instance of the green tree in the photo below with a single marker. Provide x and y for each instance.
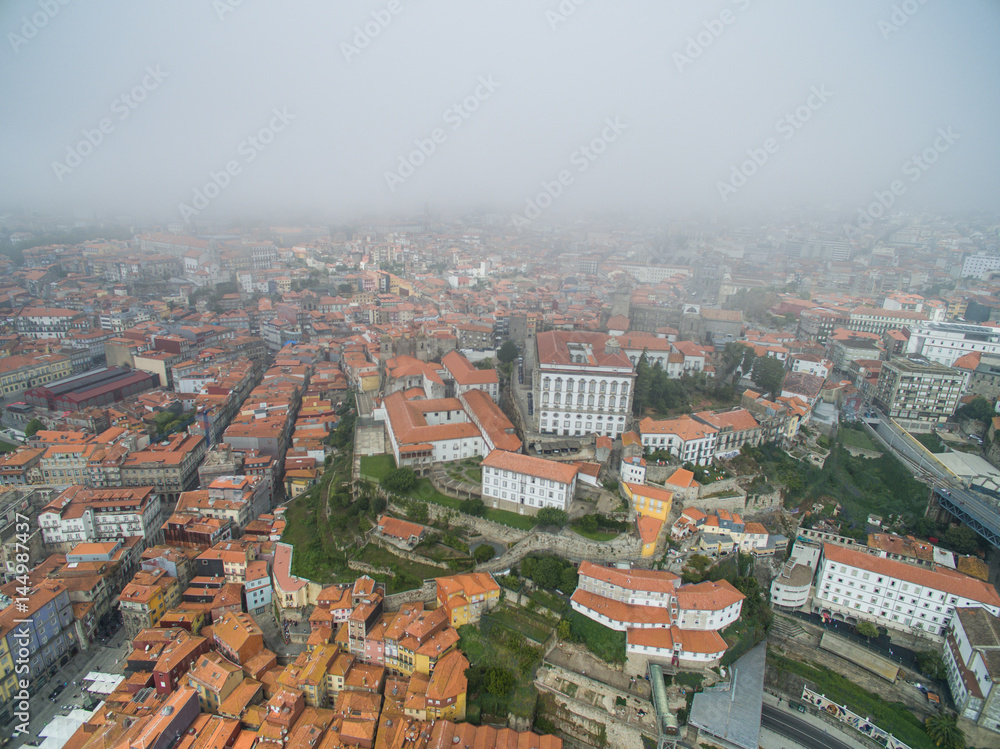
(699, 562)
(472, 507)
(943, 730)
(924, 527)
(563, 630)
(499, 681)
(867, 629)
(33, 426)
(568, 580)
(931, 665)
(399, 480)
(962, 539)
(978, 409)
(737, 360)
(418, 511)
(345, 289)
(484, 553)
(508, 352)
(552, 516)
(768, 374)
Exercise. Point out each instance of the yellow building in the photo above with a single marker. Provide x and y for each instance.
(649, 501)
(20, 372)
(8, 680)
(652, 507)
(146, 599)
(446, 691)
(466, 597)
(214, 678)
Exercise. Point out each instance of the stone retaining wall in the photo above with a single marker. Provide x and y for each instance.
(426, 593)
(369, 569)
(413, 557)
(623, 548)
(503, 533)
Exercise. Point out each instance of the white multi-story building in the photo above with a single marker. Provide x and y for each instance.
(810, 364)
(946, 342)
(878, 320)
(525, 484)
(633, 470)
(583, 384)
(87, 515)
(663, 620)
(689, 440)
(972, 661)
(857, 585)
(422, 432)
(979, 266)
(918, 394)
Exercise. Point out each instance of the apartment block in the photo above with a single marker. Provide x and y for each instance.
(918, 394)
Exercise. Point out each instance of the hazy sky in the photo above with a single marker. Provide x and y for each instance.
(647, 105)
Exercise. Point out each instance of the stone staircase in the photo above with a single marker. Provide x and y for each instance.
(788, 628)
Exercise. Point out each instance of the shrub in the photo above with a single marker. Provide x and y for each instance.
(604, 642)
(399, 480)
(472, 507)
(484, 553)
(552, 516)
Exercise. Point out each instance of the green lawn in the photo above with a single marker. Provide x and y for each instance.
(518, 621)
(379, 557)
(377, 466)
(7, 447)
(547, 600)
(604, 642)
(856, 438)
(489, 644)
(597, 535)
(931, 441)
(879, 485)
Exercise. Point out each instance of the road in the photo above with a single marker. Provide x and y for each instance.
(796, 729)
(108, 657)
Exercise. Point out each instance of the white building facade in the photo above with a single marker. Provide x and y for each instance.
(583, 384)
(946, 342)
(525, 484)
(858, 585)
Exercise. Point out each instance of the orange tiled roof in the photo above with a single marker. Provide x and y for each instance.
(564, 473)
(939, 578)
(623, 613)
(635, 579)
